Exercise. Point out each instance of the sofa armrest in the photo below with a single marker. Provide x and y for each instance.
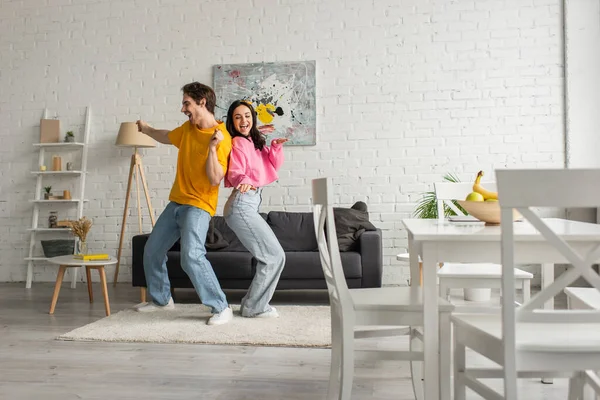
(370, 246)
(137, 263)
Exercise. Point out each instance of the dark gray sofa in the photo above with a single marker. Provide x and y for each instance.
(234, 265)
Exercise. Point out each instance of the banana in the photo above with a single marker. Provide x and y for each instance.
(481, 190)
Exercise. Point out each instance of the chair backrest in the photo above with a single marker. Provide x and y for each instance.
(331, 262)
(564, 188)
(445, 192)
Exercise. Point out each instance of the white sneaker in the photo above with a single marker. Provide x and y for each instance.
(150, 307)
(272, 313)
(221, 318)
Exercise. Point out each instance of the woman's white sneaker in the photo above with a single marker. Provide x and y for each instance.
(151, 307)
(221, 318)
(272, 313)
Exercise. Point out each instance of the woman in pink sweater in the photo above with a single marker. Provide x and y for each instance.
(253, 165)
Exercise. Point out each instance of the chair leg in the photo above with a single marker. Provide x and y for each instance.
(526, 290)
(416, 367)
(445, 366)
(444, 291)
(459, 370)
(347, 371)
(576, 383)
(333, 389)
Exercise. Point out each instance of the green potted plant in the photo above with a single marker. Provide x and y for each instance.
(48, 193)
(427, 206)
(70, 137)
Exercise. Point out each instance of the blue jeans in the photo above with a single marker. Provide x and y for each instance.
(191, 225)
(241, 214)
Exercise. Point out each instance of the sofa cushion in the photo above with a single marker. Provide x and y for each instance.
(295, 231)
(234, 265)
(350, 223)
(307, 265)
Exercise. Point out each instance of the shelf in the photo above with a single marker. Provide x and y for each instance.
(49, 229)
(56, 201)
(60, 145)
(74, 173)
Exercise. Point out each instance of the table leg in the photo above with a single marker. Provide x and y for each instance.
(431, 338)
(104, 290)
(547, 275)
(59, 280)
(88, 273)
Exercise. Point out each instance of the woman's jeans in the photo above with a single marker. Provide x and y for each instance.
(190, 224)
(241, 214)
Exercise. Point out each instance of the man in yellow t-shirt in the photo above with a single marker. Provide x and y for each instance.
(204, 146)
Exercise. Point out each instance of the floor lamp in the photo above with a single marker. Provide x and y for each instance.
(130, 137)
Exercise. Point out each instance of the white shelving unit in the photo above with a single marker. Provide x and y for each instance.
(39, 202)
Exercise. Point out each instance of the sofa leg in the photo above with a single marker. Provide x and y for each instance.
(143, 294)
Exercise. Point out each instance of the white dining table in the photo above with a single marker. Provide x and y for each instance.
(438, 241)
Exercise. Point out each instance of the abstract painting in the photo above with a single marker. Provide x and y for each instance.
(282, 93)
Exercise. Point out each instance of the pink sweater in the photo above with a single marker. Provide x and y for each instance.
(249, 165)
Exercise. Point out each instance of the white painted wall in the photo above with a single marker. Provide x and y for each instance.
(407, 91)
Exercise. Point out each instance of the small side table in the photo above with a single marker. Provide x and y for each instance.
(69, 262)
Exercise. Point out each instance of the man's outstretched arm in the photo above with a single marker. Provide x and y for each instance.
(160, 135)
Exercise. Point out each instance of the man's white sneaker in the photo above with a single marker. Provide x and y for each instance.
(221, 318)
(150, 307)
(272, 313)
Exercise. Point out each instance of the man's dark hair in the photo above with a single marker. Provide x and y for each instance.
(255, 136)
(198, 91)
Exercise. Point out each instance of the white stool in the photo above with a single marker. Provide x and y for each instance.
(473, 276)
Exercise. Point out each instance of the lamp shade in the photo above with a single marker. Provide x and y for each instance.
(130, 137)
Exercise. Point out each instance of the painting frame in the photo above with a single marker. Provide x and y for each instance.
(282, 93)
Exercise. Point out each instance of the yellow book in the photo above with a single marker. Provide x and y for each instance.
(92, 257)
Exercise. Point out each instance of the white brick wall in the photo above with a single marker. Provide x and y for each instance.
(406, 91)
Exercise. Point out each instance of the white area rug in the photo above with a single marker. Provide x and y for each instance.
(297, 326)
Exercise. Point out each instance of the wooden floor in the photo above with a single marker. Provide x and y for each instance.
(33, 365)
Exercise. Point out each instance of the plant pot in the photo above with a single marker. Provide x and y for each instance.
(47, 196)
(478, 295)
(70, 139)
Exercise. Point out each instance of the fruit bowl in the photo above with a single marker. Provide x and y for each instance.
(486, 211)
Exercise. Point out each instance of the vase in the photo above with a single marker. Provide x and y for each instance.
(82, 247)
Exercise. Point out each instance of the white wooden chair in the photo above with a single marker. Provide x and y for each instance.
(373, 312)
(471, 276)
(527, 341)
(585, 384)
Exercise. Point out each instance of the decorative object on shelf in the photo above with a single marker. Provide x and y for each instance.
(63, 223)
(129, 136)
(42, 167)
(81, 228)
(69, 137)
(58, 247)
(56, 163)
(49, 131)
(48, 190)
(53, 220)
(69, 166)
(66, 195)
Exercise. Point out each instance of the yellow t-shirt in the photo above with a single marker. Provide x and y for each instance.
(192, 186)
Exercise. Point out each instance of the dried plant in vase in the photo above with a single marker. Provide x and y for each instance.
(80, 228)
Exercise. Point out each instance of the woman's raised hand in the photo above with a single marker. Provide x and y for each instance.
(279, 141)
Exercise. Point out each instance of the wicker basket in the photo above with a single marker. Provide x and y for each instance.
(60, 247)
